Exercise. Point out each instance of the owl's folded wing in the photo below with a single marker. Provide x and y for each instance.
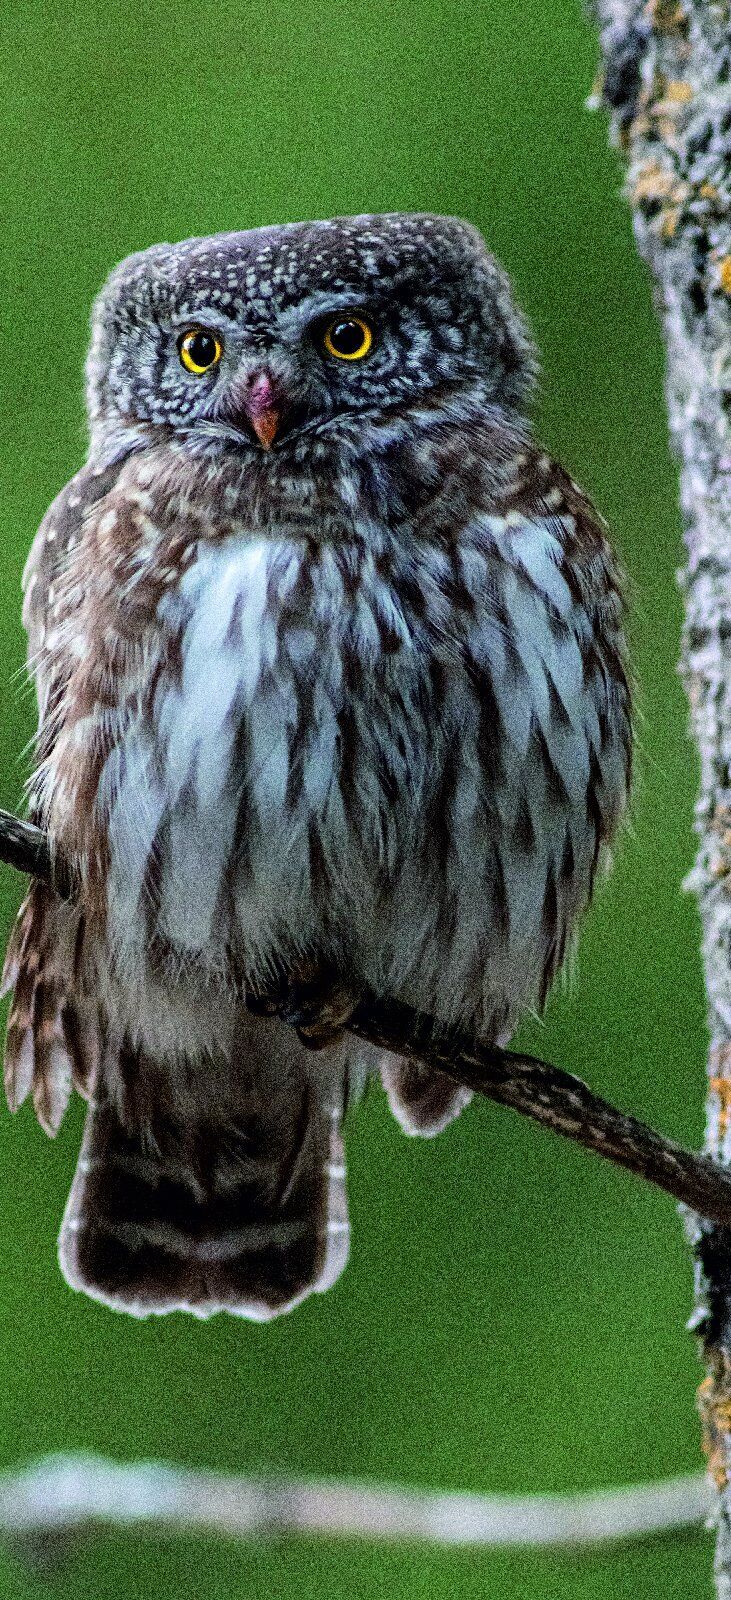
(49, 1044)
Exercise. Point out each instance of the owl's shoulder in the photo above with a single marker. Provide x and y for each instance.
(57, 537)
(541, 523)
(541, 491)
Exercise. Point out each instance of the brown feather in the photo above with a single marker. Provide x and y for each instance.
(39, 967)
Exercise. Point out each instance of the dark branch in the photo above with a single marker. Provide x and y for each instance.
(24, 846)
(536, 1089)
(556, 1099)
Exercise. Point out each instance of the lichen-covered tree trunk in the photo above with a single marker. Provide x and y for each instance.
(667, 81)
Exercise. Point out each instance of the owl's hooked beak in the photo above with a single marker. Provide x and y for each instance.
(262, 409)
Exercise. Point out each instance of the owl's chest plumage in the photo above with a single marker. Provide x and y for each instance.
(266, 800)
(395, 746)
(345, 758)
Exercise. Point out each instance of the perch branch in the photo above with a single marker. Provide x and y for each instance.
(67, 1495)
(667, 82)
(548, 1095)
(24, 847)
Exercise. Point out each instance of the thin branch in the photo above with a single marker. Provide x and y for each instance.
(557, 1100)
(536, 1089)
(64, 1495)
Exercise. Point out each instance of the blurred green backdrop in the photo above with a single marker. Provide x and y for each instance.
(513, 1314)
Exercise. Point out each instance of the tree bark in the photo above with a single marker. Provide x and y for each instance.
(667, 82)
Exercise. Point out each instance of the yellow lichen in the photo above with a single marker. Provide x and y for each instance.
(720, 1410)
(714, 1405)
(653, 182)
(721, 1087)
(670, 216)
(667, 16)
(670, 105)
(656, 185)
(724, 276)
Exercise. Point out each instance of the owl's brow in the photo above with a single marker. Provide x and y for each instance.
(211, 316)
(321, 302)
(311, 310)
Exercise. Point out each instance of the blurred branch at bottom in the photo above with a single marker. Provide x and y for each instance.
(63, 1495)
(550, 1096)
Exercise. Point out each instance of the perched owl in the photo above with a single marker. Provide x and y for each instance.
(333, 700)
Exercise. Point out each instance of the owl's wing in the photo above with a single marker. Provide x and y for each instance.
(49, 1041)
(561, 704)
(582, 585)
(535, 615)
(49, 555)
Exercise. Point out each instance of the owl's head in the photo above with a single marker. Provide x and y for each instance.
(262, 335)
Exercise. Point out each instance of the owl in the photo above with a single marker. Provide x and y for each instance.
(333, 701)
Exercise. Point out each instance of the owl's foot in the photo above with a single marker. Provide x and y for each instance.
(319, 1005)
(267, 1002)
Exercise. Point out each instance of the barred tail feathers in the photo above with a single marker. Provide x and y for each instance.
(247, 1216)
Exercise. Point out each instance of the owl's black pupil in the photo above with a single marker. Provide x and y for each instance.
(202, 349)
(346, 337)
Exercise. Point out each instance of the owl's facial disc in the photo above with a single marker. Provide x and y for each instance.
(263, 336)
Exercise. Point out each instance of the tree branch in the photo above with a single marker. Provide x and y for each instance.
(667, 76)
(24, 847)
(536, 1089)
(66, 1495)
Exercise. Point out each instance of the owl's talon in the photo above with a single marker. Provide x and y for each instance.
(267, 1002)
(319, 1009)
(263, 1005)
(320, 1038)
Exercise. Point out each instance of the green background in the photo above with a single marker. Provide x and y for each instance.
(512, 1317)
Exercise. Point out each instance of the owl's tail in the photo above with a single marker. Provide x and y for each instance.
(422, 1099)
(210, 1212)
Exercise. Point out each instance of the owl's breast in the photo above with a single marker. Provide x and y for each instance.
(397, 754)
(273, 791)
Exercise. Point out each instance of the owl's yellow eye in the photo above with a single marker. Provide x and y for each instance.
(348, 338)
(199, 351)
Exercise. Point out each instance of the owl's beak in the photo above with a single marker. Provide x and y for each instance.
(262, 409)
